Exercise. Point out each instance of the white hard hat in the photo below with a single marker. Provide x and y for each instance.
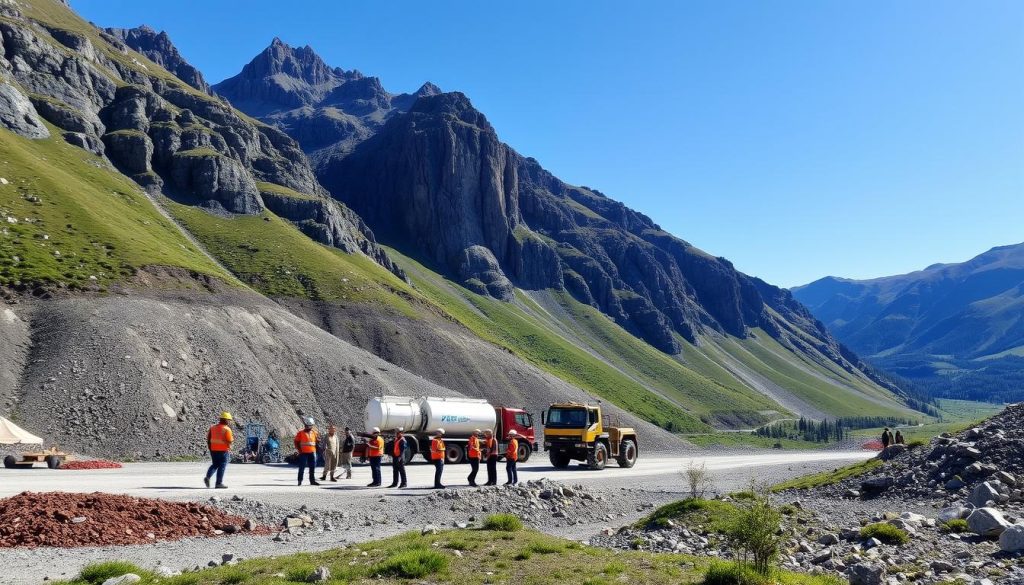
(309, 421)
(440, 431)
(401, 429)
(476, 431)
(376, 429)
(512, 433)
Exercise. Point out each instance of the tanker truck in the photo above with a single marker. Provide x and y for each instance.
(420, 417)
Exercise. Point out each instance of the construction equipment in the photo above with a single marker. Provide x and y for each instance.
(459, 417)
(52, 458)
(260, 446)
(574, 431)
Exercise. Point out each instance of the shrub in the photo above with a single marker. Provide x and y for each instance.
(503, 523)
(299, 574)
(523, 555)
(234, 578)
(697, 479)
(755, 534)
(744, 495)
(614, 568)
(411, 564)
(456, 544)
(956, 525)
(95, 573)
(886, 533)
(545, 549)
(726, 573)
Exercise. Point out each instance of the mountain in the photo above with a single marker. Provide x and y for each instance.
(957, 329)
(431, 177)
(158, 48)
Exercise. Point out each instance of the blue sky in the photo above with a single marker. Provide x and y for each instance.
(797, 138)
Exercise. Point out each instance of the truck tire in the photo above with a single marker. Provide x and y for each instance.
(52, 461)
(409, 453)
(524, 452)
(598, 458)
(627, 453)
(453, 453)
(559, 460)
(10, 462)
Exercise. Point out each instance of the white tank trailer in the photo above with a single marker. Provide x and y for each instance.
(421, 417)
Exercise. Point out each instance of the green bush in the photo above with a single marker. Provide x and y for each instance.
(916, 443)
(299, 574)
(503, 523)
(755, 534)
(457, 544)
(744, 495)
(95, 573)
(728, 573)
(523, 555)
(411, 564)
(545, 549)
(956, 525)
(886, 533)
(234, 578)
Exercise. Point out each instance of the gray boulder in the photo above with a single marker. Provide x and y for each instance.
(18, 115)
(987, 522)
(211, 177)
(321, 575)
(953, 513)
(877, 484)
(1012, 539)
(130, 150)
(126, 579)
(982, 494)
(1006, 478)
(867, 574)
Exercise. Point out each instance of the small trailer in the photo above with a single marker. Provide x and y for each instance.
(53, 459)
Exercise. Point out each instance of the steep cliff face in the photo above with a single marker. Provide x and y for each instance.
(166, 135)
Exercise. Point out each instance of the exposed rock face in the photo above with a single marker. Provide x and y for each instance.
(162, 133)
(158, 48)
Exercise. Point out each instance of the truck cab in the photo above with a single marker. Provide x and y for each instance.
(522, 422)
(574, 431)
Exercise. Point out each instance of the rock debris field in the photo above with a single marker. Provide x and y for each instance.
(57, 519)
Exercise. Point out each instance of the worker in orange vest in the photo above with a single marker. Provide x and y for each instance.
(473, 453)
(511, 458)
(305, 444)
(218, 440)
(375, 452)
(437, 451)
(491, 453)
(398, 452)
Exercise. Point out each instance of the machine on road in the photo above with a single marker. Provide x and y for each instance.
(574, 431)
(457, 416)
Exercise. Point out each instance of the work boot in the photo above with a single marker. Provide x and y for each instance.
(206, 480)
(300, 482)
(400, 486)
(439, 487)
(314, 483)
(334, 479)
(393, 485)
(221, 486)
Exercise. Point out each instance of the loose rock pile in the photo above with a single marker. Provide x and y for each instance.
(69, 520)
(90, 464)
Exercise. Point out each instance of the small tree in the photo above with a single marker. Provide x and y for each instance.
(755, 532)
(698, 479)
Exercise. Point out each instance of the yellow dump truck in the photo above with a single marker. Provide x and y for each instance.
(574, 431)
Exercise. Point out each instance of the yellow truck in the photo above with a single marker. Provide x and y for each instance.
(574, 431)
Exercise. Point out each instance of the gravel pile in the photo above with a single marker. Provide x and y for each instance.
(70, 520)
(90, 464)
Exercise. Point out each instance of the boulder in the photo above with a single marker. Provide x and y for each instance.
(987, 522)
(18, 115)
(866, 574)
(126, 579)
(321, 575)
(1006, 478)
(130, 150)
(1012, 539)
(209, 176)
(953, 513)
(982, 494)
(877, 484)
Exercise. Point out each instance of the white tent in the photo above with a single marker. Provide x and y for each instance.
(12, 434)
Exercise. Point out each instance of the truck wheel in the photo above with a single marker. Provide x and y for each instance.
(453, 454)
(598, 458)
(524, 452)
(627, 453)
(409, 454)
(52, 461)
(10, 462)
(559, 460)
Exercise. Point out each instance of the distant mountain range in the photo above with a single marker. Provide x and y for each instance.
(955, 329)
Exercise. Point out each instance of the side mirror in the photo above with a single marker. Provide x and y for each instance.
(543, 417)
(529, 419)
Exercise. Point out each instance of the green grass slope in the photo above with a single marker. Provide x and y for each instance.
(67, 218)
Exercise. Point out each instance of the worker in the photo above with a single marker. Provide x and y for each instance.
(348, 445)
(218, 440)
(491, 453)
(375, 452)
(305, 444)
(437, 450)
(473, 453)
(512, 458)
(886, 438)
(899, 437)
(332, 447)
(398, 449)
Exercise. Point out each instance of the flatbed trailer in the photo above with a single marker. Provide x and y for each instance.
(52, 459)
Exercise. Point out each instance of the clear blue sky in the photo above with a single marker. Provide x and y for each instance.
(797, 138)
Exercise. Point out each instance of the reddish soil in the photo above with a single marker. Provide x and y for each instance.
(90, 464)
(872, 445)
(32, 519)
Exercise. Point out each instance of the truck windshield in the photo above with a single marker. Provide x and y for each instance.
(567, 418)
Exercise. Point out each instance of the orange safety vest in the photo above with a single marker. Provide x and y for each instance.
(474, 448)
(396, 451)
(512, 452)
(492, 448)
(305, 441)
(436, 449)
(220, 438)
(375, 448)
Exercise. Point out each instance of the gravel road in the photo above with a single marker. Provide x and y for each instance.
(346, 512)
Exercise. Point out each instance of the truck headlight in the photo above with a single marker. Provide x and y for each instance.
(580, 445)
(547, 443)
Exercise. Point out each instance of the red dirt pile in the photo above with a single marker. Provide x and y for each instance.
(91, 464)
(32, 519)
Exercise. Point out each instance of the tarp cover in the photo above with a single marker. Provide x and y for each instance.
(12, 434)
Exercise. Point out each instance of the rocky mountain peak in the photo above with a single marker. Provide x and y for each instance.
(451, 105)
(158, 48)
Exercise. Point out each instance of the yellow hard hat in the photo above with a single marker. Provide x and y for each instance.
(226, 416)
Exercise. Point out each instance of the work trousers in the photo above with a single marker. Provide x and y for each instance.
(492, 471)
(219, 465)
(375, 470)
(438, 470)
(511, 471)
(346, 464)
(307, 460)
(330, 465)
(398, 472)
(474, 467)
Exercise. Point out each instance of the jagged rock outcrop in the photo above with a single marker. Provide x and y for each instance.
(19, 115)
(158, 48)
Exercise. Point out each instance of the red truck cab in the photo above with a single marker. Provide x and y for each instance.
(522, 422)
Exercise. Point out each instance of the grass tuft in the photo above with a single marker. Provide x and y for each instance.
(886, 533)
(411, 564)
(97, 573)
(828, 477)
(955, 526)
(503, 523)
